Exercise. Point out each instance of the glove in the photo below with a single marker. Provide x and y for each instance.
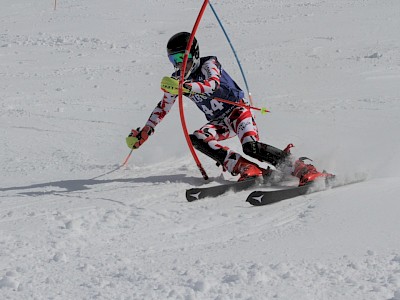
(171, 85)
(137, 137)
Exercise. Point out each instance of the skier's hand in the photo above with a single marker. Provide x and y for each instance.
(138, 136)
(171, 85)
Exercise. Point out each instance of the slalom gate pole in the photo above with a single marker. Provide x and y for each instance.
(180, 94)
(234, 52)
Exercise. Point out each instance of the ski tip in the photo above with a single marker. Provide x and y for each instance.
(192, 195)
(255, 199)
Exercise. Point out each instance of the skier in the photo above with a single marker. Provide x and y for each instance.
(206, 80)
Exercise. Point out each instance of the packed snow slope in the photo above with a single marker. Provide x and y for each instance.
(74, 81)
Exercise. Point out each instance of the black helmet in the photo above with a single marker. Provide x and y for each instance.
(177, 45)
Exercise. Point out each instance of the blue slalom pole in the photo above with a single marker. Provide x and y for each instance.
(233, 50)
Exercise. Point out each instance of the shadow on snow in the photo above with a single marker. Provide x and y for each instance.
(69, 186)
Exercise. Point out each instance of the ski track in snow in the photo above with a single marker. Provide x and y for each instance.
(190, 239)
(73, 82)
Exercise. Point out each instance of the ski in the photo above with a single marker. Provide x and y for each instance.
(258, 198)
(215, 191)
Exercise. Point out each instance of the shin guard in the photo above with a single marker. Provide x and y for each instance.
(265, 153)
(217, 155)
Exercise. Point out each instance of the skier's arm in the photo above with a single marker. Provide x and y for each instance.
(211, 69)
(161, 110)
(138, 136)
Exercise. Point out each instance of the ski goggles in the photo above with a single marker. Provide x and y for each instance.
(177, 58)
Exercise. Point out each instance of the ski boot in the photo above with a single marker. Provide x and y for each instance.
(307, 173)
(248, 169)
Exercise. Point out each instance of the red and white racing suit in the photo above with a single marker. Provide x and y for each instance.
(225, 121)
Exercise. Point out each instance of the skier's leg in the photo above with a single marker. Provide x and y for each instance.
(266, 153)
(216, 153)
(242, 122)
(206, 141)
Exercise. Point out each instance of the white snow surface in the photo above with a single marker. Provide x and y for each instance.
(75, 80)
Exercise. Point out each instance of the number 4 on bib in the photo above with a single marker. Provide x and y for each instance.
(214, 105)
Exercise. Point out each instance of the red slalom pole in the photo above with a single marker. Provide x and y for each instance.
(180, 90)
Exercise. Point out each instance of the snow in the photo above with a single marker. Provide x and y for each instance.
(75, 80)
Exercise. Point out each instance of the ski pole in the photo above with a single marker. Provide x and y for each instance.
(127, 158)
(130, 153)
(263, 110)
(170, 85)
